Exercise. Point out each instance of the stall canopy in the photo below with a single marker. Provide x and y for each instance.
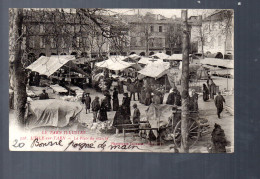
(52, 113)
(218, 62)
(148, 60)
(175, 57)
(83, 60)
(160, 55)
(48, 65)
(114, 64)
(134, 56)
(155, 69)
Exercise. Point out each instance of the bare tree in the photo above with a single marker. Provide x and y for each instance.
(174, 36)
(55, 23)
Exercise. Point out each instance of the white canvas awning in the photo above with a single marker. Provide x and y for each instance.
(175, 57)
(48, 65)
(148, 60)
(155, 70)
(160, 55)
(218, 62)
(114, 64)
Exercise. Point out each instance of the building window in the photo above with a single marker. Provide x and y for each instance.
(41, 29)
(31, 42)
(133, 41)
(151, 28)
(219, 40)
(53, 43)
(78, 41)
(42, 42)
(63, 44)
(160, 29)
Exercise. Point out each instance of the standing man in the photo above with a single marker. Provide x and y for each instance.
(95, 108)
(219, 100)
(136, 115)
(87, 101)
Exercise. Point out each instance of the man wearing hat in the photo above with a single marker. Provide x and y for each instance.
(44, 95)
(87, 101)
(95, 108)
(136, 115)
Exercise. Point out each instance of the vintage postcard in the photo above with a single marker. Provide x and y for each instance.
(121, 80)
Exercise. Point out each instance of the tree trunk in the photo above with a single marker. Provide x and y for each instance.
(147, 42)
(16, 67)
(185, 84)
(202, 43)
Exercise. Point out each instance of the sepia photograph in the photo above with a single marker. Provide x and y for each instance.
(121, 80)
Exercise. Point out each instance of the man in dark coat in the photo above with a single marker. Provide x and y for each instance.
(115, 100)
(219, 100)
(87, 100)
(136, 115)
(103, 110)
(126, 105)
(44, 95)
(95, 108)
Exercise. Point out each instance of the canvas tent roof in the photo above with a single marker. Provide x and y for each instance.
(175, 57)
(48, 65)
(218, 62)
(134, 56)
(160, 55)
(155, 69)
(148, 60)
(83, 60)
(114, 64)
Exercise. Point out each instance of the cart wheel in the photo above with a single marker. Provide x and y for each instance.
(193, 136)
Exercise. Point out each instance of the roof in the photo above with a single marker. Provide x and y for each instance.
(155, 69)
(134, 56)
(83, 60)
(175, 57)
(48, 65)
(114, 63)
(147, 60)
(160, 55)
(218, 62)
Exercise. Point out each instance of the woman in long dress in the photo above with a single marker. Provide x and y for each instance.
(115, 100)
(103, 111)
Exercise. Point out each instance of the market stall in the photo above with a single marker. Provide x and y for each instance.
(52, 113)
